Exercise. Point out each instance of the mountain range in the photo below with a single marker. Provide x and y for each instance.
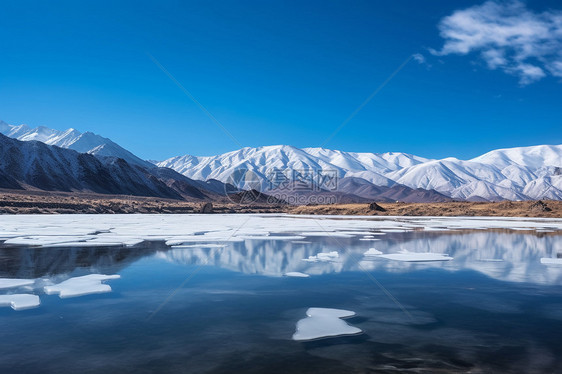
(68, 161)
(72, 139)
(506, 174)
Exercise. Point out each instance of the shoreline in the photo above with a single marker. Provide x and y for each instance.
(41, 202)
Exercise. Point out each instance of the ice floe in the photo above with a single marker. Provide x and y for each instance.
(128, 230)
(13, 283)
(271, 237)
(551, 261)
(332, 234)
(372, 252)
(202, 245)
(80, 286)
(324, 323)
(408, 256)
(296, 274)
(323, 257)
(20, 301)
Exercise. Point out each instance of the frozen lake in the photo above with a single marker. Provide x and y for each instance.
(279, 294)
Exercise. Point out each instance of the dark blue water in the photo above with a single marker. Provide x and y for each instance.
(493, 309)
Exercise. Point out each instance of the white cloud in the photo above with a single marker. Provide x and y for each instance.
(419, 58)
(508, 36)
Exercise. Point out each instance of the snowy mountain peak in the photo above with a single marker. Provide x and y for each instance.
(514, 174)
(71, 138)
(535, 156)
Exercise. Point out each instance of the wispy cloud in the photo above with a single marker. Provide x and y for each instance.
(508, 36)
(419, 58)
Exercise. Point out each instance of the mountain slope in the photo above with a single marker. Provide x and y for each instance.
(396, 192)
(50, 168)
(72, 139)
(265, 161)
(512, 174)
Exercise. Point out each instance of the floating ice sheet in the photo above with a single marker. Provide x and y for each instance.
(327, 233)
(13, 283)
(271, 237)
(324, 323)
(296, 274)
(372, 252)
(202, 245)
(323, 257)
(80, 286)
(408, 256)
(20, 301)
(127, 230)
(551, 261)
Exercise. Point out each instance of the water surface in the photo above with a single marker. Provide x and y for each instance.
(197, 309)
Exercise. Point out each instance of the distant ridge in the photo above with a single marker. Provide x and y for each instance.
(72, 139)
(523, 173)
(33, 164)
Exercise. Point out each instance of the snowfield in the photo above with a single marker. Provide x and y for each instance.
(515, 174)
(521, 173)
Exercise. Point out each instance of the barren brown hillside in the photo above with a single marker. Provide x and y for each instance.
(37, 202)
(552, 209)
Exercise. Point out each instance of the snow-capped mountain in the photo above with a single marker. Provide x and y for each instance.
(35, 164)
(512, 174)
(264, 161)
(72, 139)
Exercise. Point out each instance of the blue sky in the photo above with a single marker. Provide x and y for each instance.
(287, 72)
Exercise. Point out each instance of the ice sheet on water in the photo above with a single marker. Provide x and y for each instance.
(296, 274)
(372, 252)
(44, 240)
(323, 257)
(202, 245)
(80, 286)
(354, 233)
(551, 261)
(408, 256)
(56, 230)
(20, 301)
(324, 323)
(88, 243)
(271, 237)
(327, 233)
(13, 283)
(202, 239)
